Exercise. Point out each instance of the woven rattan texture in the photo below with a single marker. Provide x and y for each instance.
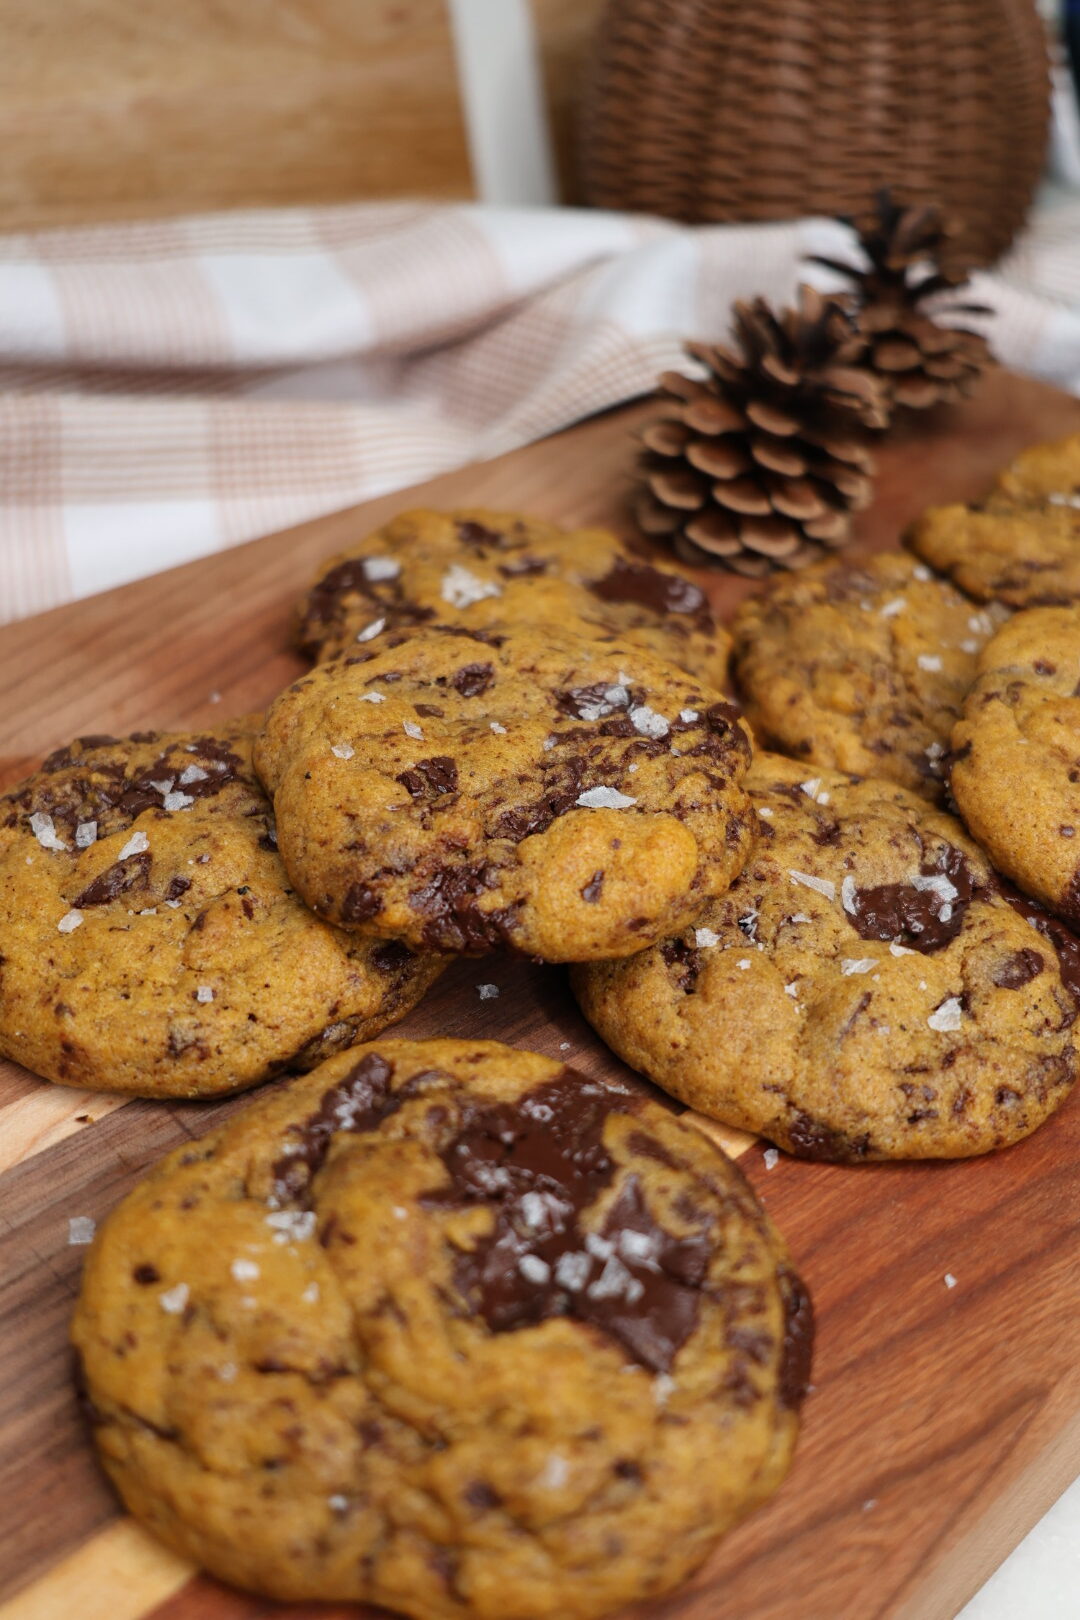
(727, 110)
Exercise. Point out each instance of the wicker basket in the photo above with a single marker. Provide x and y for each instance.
(765, 109)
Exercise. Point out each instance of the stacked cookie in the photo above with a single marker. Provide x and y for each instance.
(362, 1342)
(871, 986)
(447, 1326)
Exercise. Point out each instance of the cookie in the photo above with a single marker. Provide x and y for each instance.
(865, 991)
(150, 941)
(445, 1327)
(481, 568)
(1044, 471)
(1015, 772)
(861, 666)
(459, 790)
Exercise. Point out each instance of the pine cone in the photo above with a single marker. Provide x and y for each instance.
(920, 362)
(762, 463)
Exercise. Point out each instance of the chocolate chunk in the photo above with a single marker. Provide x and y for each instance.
(591, 891)
(391, 956)
(811, 1139)
(1064, 941)
(359, 1102)
(473, 679)
(685, 959)
(797, 1352)
(429, 778)
(118, 879)
(359, 904)
(653, 589)
(540, 1164)
(146, 1274)
(455, 922)
(591, 702)
(1018, 969)
(918, 918)
(176, 887)
(479, 535)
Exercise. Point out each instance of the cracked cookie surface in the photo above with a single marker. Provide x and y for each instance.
(861, 666)
(150, 941)
(447, 1327)
(1015, 772)
(865, 990)
(567, 797)
(481, 568)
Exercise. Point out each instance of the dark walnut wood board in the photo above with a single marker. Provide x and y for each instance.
(943, 1422)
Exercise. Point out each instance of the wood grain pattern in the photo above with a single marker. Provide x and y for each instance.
(943, 1422)
(110, 110)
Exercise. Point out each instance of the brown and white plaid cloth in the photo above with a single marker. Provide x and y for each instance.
(172, 388)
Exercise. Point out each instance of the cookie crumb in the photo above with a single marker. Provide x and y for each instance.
(81, 1229)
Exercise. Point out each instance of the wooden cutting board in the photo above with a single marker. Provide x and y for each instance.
(943, 1421)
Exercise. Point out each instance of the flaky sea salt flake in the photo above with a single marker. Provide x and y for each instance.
(706, 938)
(411, 729)
(372, 697)
(137, 844)
(930, 662)
(370, 631)
(44, 831)
(891, 609)
(204, 993)
(487, 992)
(173, 1300)
(809, 881)
(244, 1270)
(771, 1158)
(343, 750)
(947, 1017)
(949, 1280)
(605, 798)
(81, 1229)
(380, 568)
(69, 922)
(177, 801)
(648, 722)
(461, 587)
(857, 964)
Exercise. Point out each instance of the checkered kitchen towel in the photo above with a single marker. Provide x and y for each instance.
(171, 388)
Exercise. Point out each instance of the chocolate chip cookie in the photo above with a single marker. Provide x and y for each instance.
(865, 991)
(150, 941)
(567, 797)
(1021, 545)
(445, 1327)
(861, 666)
(481, 568)
(1015, 771)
